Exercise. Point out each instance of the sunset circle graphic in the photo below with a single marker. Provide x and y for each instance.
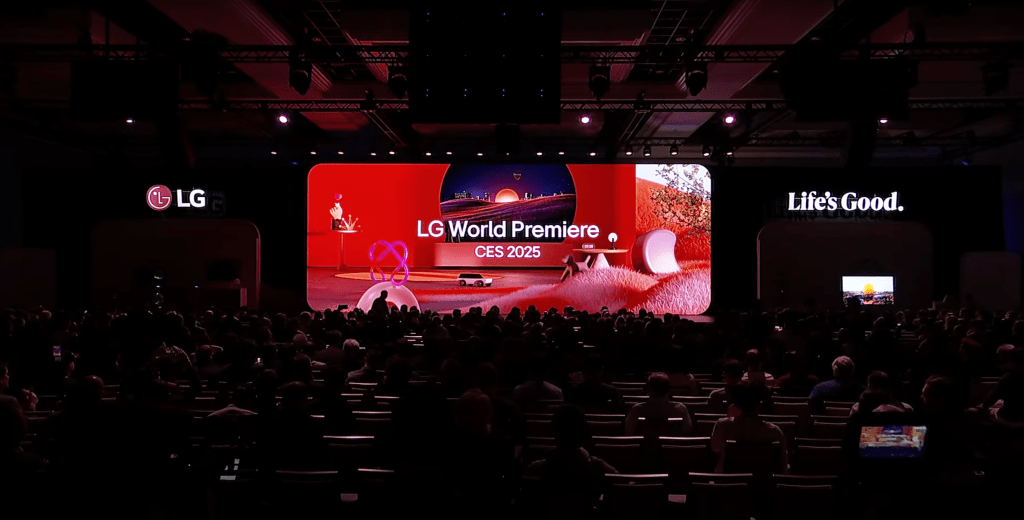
(534, 194)
(506, 195)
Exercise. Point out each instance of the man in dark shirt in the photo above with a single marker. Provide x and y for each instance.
(380, 305)
(592, 393)
(844, 387)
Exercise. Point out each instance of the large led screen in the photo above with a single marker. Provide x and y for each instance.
(455, 236)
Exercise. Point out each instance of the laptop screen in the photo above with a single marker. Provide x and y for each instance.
(899, 441)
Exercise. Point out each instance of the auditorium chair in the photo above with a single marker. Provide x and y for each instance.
(823, 430)
(756, 458)
(625, 458)
(635, 495)
(802, 497)
(720, 496)
(816, 460)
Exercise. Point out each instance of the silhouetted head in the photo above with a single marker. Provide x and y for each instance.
(658, 385)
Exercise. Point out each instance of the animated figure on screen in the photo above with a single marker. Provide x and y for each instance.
(338, 220)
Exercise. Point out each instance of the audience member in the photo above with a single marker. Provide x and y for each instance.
(744, 425)
(654, 417)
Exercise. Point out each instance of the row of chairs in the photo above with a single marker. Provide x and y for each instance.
(703, 495)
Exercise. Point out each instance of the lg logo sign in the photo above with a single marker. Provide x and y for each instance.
(159, 198)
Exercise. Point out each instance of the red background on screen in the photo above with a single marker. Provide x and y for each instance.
(388, 199)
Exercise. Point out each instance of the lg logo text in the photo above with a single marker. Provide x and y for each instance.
(159, 198)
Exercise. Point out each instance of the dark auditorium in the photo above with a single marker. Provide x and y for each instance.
(508, 302)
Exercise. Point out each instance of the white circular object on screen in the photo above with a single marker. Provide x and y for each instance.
(612, 237)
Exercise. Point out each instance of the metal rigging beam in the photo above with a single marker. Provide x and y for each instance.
(603, 54)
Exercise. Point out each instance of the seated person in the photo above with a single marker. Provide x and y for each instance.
(732, 374)
(744, 425)
(796, 382)
(657, 409)
(569, 463)
(844, 387)
(535, 388)
(593, 393)
(754, 373)
(878, 381)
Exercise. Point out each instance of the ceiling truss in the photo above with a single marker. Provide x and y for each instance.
(601, 54)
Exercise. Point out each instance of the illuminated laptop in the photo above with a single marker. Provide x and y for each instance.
(898, 441)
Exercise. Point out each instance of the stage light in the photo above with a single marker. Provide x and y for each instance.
(449, 152)
(705, 151)
(729, 153)
(585, 120)
(272, 152)
(129, 121)
(600, 80)
(428, 154)
(283, 119)
(373, 154)
(593, 153)
(398, 84)
(540, 154)
(312, 152)
(341, 152)
(300, 76)
(673, 150)
(883, 120)
(481, 154)
(561, 152)
(647, 151)
(392, 152)
(729, 119)
(696, 78)
(629, 150)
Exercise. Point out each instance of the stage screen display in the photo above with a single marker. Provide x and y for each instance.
(455, 236)
(870, 290)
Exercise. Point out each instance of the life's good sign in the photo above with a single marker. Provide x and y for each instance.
(849, 201)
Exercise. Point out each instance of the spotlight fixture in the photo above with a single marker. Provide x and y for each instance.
(373, 154)
(585, 119)
(283, 119)
(705, 151)
(600, 80)
(481, 154)
(673, 150)
(540, 154)
(300, 75)
(391, 152)
(593, 153)
(629, 150)
(883, 120)
(341, 152)
(449, 152)
(729, 119)
(647, 151)
(312, 152)
(729, 153)
(428, 154)
(272, 152)
(129, 121)
(696, 78)
(561, 152)
(398, 84)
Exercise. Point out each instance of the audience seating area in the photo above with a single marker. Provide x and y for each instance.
(237, 415)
